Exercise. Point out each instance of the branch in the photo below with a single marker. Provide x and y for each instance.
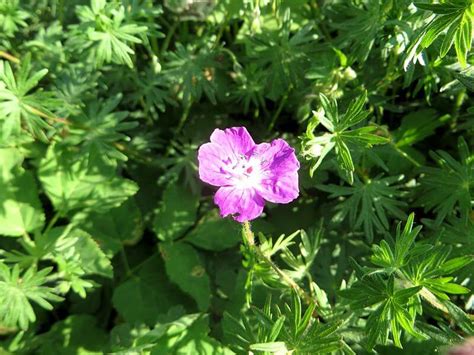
(250, 238)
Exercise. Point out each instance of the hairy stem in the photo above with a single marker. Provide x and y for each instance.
(424, 293)
(250, 239)
(9, 57)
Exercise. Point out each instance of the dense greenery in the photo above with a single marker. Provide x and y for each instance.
(110, 243)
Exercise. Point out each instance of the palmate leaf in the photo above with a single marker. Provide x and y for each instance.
(176, 214)
(20, 208)
(107, 32)
(82, 184)
(423, 265)
(433, 271)
(369, 204)
(449, 189)
(455, 17)
(281, 55)
(391, 309)
(359, 26)
(185, 268)
(122, 225)
(148, 295)
(339, 136)
(214, 233)
(186, 335)
(19, 107)
(100, 127)
(151, 90)
(193, 68)
(73, 250)
(77, 334)
(419, 269)
(18, 289)
(393, 258)
(289, 329)
(250, 87)
(12, 17)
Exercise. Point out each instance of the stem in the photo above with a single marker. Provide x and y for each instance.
(52, 222)
(424, 293)
(397, 149)
(9, 57)
(250, 238)
(44, 115)
(405, 155)
(457, 107)
(169, 35)
(27, 238)
(278, 111)
(184, 117)
(123, 255)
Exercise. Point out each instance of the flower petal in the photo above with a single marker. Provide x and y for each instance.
(235, 140)
(225, 150)
(243, 204)
(212, 162)
(280, 171)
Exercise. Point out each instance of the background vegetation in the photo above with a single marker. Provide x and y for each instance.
(110, 243)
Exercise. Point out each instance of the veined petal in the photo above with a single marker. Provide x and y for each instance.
(234, 141)
(243, 204)
(213, 161)
(280, 166)
(218, 157)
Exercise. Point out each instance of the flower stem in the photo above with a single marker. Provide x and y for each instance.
(123, 255)
(52, 222)
(250, 239)
(9, 57)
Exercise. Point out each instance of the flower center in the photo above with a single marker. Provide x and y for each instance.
(244, 172)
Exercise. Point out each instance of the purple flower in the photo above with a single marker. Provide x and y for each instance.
(246, 173)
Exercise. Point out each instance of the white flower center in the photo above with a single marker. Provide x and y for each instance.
(245, 172)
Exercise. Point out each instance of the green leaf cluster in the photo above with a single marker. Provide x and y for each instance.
(109, 241)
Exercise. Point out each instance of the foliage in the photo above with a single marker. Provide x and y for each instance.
(110, 243)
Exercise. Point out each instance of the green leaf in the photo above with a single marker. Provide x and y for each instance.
(186, 269)
(369, 204)
(147, 295)
(176, 214)
(101, 126)
(77, 246)
(455, 264)
(462, 319)
(85, 183)
(355, 113)
(466, 77)
(448, 188)
(273, 347)
(18, 289)
(215, 233)
(456, 18)
(20, 107)
(340, 137)
(463, 37)
(12, 17)
(122, 225)
(344, 158)
(103, 26)
(20, 207)
(405, 240)
(186, 335)
(329, 118)
(416, 126)
(77, 334)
